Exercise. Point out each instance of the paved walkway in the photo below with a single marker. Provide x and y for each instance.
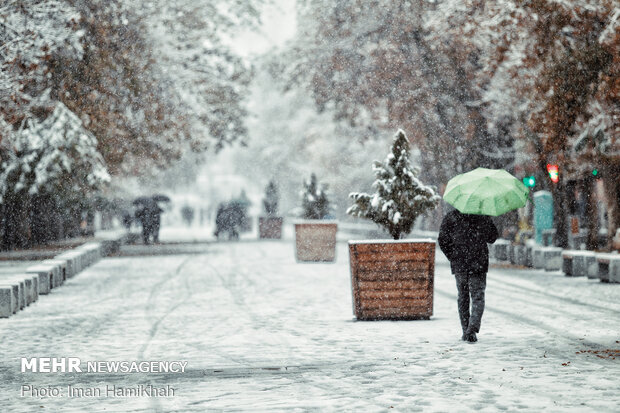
(260, 332)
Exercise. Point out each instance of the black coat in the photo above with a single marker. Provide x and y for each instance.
(463, 239)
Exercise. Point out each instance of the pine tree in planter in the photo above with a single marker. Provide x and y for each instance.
(270, 226)
(400, 196)
(315, 238)
(272, 198)
(394, 279)
(314, 202)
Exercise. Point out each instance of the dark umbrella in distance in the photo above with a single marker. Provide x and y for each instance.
(143, 201)
(160, 198)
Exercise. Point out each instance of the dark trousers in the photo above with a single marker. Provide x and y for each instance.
(471, 285)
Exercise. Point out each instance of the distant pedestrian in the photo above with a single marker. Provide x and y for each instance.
(149, 215)
(463, 239)
(127, 220)
(156, 222)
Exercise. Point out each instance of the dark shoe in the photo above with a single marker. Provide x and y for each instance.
(470, 337)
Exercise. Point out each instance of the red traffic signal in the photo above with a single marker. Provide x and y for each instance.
(554, 172)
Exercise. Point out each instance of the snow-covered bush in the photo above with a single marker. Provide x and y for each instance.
(270, 202)
(400, 198)
(314, 202)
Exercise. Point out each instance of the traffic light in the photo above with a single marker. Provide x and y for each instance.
(529, 181)
(595, 172)
(554, 172)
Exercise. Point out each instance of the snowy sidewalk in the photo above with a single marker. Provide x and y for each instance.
(263, 333)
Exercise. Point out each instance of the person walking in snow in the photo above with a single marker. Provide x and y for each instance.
(463, 238)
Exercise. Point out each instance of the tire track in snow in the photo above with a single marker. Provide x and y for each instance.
(152, 296)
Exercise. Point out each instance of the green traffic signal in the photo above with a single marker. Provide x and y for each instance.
(595, 172)
(529, 181)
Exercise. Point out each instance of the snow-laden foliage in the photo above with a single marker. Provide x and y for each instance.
(472, 80)
(314, 201)
(373, 64)
(550, 68)
(31, 31)
(151, 80)
(54, 154)
(400, 197)
(208, 79)
(271, 199)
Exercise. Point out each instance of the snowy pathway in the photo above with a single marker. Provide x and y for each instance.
(262, 333)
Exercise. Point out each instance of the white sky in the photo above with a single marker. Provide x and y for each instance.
(279, 24)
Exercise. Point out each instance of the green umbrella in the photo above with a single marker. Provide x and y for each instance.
(486, 192)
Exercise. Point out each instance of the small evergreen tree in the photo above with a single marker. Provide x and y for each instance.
(314, 202)
(270, 202)
(400, 197)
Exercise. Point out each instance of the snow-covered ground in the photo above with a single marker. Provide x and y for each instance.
(261, 332)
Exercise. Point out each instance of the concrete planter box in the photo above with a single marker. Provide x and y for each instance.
(552, 258)
(30, 296)
(24, 289)
(520, 252)
(74, 261)
(315, 240)
(511, 254)
(501, 249)
(392, 279)
(8, 304)
(46, 277)
(537, 257)
(11, 301)
(547, 258)
(93, 252)
(608, 267)
(576, 263)
(270, 227)
(567, 263)
(61, 268)
(592, 266)
(529, 256)
(21, 290)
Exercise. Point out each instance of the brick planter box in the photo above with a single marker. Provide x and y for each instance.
(315, 241)
(270, 227)
(392, 280)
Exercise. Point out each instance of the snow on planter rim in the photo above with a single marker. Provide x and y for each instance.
(392, 241)
(315, 221)
(578, 253)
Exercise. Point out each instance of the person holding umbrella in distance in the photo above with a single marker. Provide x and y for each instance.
(465, 232)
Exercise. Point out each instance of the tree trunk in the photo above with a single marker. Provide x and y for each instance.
(591, 213)
(612, 197)
(16, 222)
(560, 212)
